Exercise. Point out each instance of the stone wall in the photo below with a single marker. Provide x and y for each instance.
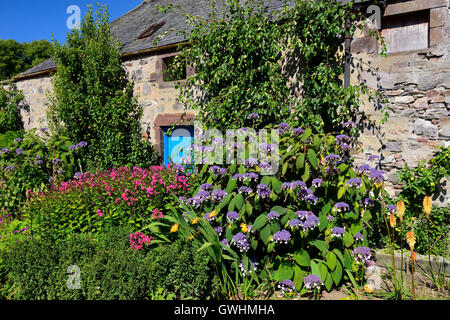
(416, 85)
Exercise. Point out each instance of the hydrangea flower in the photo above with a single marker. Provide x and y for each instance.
(206, 187)
(299, 183)
(344, 146)
(19, 151)
(272, 215)
(218, 141)
(253, 115)
(368, 202)
(199, 198)
(245, 189)
(238, 176)
(232, 216)
(18, 140)
(312, 282)
(82, 144)
(373, 157)
(332, 158)
(39, 163)
(349, 124)
(343, 138)
(287, 185)
(225, 242)
(376, 175)
(391, 208)
(219, 230)
(342, 206)
(250, 162)
(286, 286)
(297, 131)
(364, 169)
(317, 182)
(265, 147)
(10, 168)
(78, 175)
(304, 192)
(251, 176)
(263, 191)
(218, 195)
(354, 182)
(241, 241)
(362, 254)
(311, 199)
(282, 236)
(283, 128)
(216, 170)
(295, 223)
(303, 214)
(330, 218)
(337, 232)
(4, 150)
(311, 222)
(265, 165)
(358, 236)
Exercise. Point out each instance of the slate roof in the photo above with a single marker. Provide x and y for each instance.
(128, 27)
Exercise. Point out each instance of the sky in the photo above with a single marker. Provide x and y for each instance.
(28, 20)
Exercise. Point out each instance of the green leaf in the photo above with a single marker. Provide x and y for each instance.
(348, 239)
(285, 271)
(341, 192)
(321, 245)
(239, 201)
(331, 260)
(248, 208)
(276, 184)
(323, 222)
(259, 222)
(300, 163)
(315, 269)
(302, 258)
(306, 174)
(337, 273)
(312, 157)
(265, 233)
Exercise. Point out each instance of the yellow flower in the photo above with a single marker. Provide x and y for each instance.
(195, 221)
(244, 228)
(392, 221)
(174, 228)
(191, 237)
(230, 226)
(400, 209)
(212, 214)
(411, 239)
(427, 204)
(368, 288)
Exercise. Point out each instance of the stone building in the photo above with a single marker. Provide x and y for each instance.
(414, 77)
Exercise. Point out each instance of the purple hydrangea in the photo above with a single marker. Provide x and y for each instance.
(311, 222)
(344, 146)
(297, 131)
(376, 175)
(216, 170)
(250, 162)
(272, 215)
(19, 151)
(251, 176)
(362, 254)
(303, 214)
(241, 241)
(283, 128)
(263, 191)
(391, 208)
(253, 115)
(312, 282)
(232, 216)
(343, 138)
(265, 165)
(238, 176)
(364, 169)
(225, 242)
(295, 223)
(337, 232)
(206, 187)
(82, 144)
(330, 218)
(18, 140)
(4, 150)
(359, 236)
(219, 230)
(342, 206)
(354, 182)
(72, 147)
(312, 199)
(282, 236)
(286, 286)
(39, 163)
(299, 183)
(218, 195)
(368, 202)
(304, 192)
(332, 158)
(265, 147)
(245, 189)
(199, 198)
(287, 185)
(317, 182)
(349, 124)
(78, 175)
(10, 168)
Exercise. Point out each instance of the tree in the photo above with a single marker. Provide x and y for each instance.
(10, 118)
(16, 57)
(93, 100)
(285, 66)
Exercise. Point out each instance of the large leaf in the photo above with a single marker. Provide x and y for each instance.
(348, 239)
(285, 271)
(259, 222)
(238, 201)
(312, 157)
(337, 273)
(321, 245)
(302, 258)
(315, 269)
(306, 174)
(300, 163)
(265, 233)
(331, 260)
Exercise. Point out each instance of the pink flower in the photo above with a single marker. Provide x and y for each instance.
(99, 212)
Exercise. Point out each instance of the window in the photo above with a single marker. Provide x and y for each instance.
(167, 71)
(177, 141)
(151, 30)
(406, 32)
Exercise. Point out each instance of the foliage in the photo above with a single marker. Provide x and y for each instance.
(7, 138)
(30, 164)
(325, 193)
(425, 179)
(247, 60)
(93, 100)
(17, 57)
(109, 269)
(97, 202)
(10, 118)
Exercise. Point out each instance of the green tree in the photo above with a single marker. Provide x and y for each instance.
(93, 100)
(16, 57)
(284, 65)
(10, 118)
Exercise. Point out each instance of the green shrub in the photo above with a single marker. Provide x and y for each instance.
(109, 269)
(10, 118)
(95, 203)
(7, 138)
(93, 100)
(296, 196)
(33, 162)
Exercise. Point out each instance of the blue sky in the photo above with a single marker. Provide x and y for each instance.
(28, 20)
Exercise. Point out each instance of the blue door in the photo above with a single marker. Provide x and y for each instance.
(176, 143)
